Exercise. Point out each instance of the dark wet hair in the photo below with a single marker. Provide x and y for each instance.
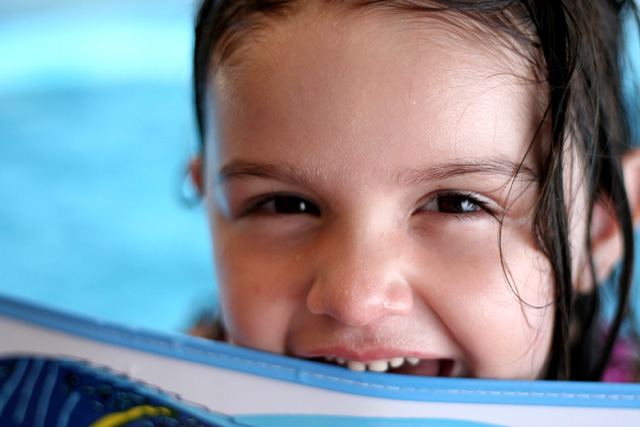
(577, 47)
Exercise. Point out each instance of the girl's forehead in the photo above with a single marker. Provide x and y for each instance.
(340, 23)
(374, 75)
(405, 38)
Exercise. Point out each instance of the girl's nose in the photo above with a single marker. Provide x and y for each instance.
(360, 280)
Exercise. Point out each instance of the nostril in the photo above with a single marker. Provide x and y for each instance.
(314, 301)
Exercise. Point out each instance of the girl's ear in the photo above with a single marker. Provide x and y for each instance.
(606, 238)
(195, 170)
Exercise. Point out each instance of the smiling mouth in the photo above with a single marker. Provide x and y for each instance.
(396, 365)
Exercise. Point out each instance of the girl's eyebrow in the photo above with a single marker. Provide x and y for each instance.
(285, 172)
(276, 171)
(496, 166)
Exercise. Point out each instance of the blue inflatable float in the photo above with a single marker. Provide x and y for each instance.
(58, 369)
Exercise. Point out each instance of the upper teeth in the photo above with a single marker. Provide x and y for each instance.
(376, 365)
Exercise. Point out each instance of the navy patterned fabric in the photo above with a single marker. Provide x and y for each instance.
(46, 392)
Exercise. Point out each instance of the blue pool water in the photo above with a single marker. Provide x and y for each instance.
(96, 128)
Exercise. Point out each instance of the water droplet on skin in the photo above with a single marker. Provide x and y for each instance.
(485, 314)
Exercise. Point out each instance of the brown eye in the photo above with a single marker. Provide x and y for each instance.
(456, 204)
(287, 205)
(453, 203)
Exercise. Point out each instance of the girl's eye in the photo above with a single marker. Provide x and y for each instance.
(286, 205)
(453, 203)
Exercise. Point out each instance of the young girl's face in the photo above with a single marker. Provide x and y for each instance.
(356, 178)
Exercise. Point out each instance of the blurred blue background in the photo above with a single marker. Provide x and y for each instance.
(96, 130)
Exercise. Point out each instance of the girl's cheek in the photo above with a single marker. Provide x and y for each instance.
(483, 259)
(258, 287)
(504, 289)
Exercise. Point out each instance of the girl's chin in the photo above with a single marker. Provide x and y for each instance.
(400, 365)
